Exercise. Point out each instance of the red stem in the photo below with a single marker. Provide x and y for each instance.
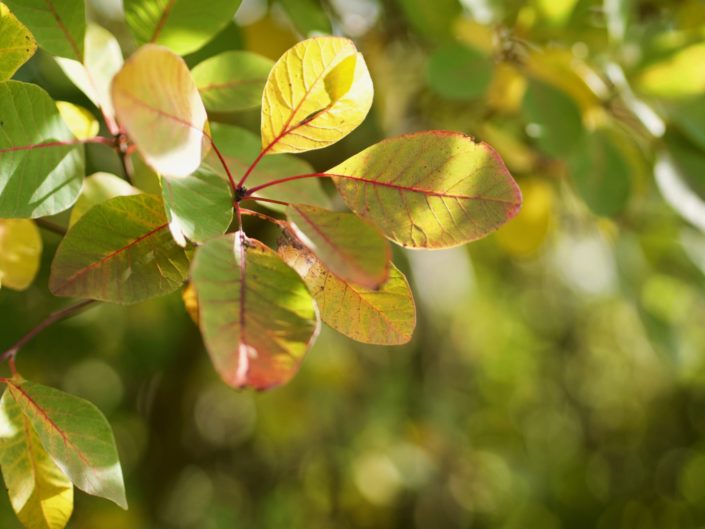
(288, 179)
(97, 139)
(224, 164)
(263, 216)
(262, 199)
(257, 160)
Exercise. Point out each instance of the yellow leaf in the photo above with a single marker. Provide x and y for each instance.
(681, 75)
(41, 495)
(20, 249)
(157, 102)
(316, 94)
(80, 121)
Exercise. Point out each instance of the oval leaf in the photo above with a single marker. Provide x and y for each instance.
(119, 251)
(385, 316)
(432, 189)
(20, 250)
(351, 248)
(16, 42)
(40, 494)
(181, 25)
(42, 165)
(232, 81)
(79, 120)
(460, 72)
(77, 437)
(58, 25)
(256, 314)
(316, 94)
(158, 104)
(98, 188)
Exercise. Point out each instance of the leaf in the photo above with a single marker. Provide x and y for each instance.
(199, 206)
(181, 25)
(433, 189)
(240, 147)
(351, 248)
(158, 104)
(98, 188)
(120, 251)
(256, 315)
(460, 72)
(76, 435)
(80, 121)
(41, 164)
(432, 20)
(307, 16)
(41, 495)
(680, 75)
(20, 251)
(17, 44)
(316, 94)
(232, 81)
(58, 25)
(385, 316)
(102, 61)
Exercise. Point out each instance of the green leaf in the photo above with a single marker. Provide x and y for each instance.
(351, 248)
(382, 316)
(256, 314)
(433, 20)
(40, 494)
(76, 435)
(307, 16)
(240, 147)
(58, 25)
(199, 206)
(120, 251)
(181, 25)
(460, 72)
(553, 118)
(20, 251)
(232, 81)
(17, 44)
(41, 163)
(433, 189)
(317, 93)
(158, 104)
(98, 188)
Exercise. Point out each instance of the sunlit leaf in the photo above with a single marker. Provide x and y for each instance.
(41, 165)
(158, 104)
(240, 147)
(17, 44)
(120, 251)
(351, 248)
(181, 25)
(307, 16)
(98, 188)
(58, 25)
(232, 81)
(80, 121)
(432, 189)
(460, 72)
(681, 75)
(20, 250)
(199, 206)
(433, 20)
(40, 494)
(316, 94)
(256, 314)
(383, 316)
(76, 435)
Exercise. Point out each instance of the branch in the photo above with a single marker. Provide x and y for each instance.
(50, 226)
(263, 216)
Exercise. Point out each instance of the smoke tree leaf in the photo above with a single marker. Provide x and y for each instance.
(316, 94)
(40, 494)
(119, 251)
(433, 189)
(42, 165)
(79, 120)
(256, 314)
(460, 72)
(58, 25)
(198, 206)
(158, 104)
(16, 42)
(76, 435)
(20, 251)
(98, 188)
(181, 25)
(382, 316)
(351, 248)
(232, 81)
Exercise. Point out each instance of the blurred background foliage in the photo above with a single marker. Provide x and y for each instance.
(557, 376)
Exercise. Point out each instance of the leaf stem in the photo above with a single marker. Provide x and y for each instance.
(262, 199)
(263, 216)
(225, 166)
(50, 226)
(97, 139)
(257, 160)
(287, 179)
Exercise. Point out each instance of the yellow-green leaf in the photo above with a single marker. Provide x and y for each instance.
(40, 494)
(17, 44)
(158, 104)
(79, 120)
(98, 188)
(20, 250)
(681, 75)
(316, 94)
